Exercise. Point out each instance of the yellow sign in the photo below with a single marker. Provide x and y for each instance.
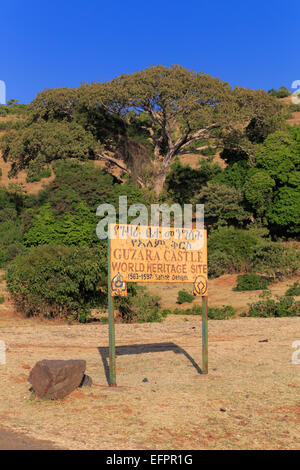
(157, 254)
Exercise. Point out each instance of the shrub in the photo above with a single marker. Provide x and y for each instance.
(139, 306)
(275, 259)
(220, 263)
(294, 108)
(294, 289)
(184, 296)
(282, 92)
(2, 300)
(250, 281)
(36, 174)
(214, 313)
(58, 281)
(223, 313)
(283, 307)
(223, 205)
(208, 151)
(183, 182)
(229, 250)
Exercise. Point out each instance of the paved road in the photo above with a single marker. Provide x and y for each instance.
(15, 441)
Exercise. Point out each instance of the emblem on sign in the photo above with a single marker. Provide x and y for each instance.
(118, 286)
(200, 286)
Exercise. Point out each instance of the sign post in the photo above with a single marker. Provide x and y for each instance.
(155, 254)
(111, 326)
(204, 335)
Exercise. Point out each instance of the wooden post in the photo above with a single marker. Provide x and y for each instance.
(204, 335)
(111, 326)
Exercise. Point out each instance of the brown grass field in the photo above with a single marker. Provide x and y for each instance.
(248, 400)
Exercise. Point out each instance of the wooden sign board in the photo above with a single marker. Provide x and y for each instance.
(157, 254)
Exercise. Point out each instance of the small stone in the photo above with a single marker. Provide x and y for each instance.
(56, 379)
(222, 409)
(145, 380)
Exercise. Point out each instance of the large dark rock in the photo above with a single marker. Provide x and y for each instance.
(56, 379)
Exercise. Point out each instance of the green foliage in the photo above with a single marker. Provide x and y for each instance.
(294, 108)
(208, 151)
(275, 259)
(258, 190)
(220, 263)
(59, 282)
(221, 313)
(183, 182)
(71, 229)
(279, 159)
(250, 281)
(184, 296)
(214, 313)
(283, 213)
(35, 173)
(139, 306)
(282, 92)
(236, 247)
(294, 289)
(2, 300)
(283, 307)
(279, 154)
(12, 107)
(42, 142)
(234, 175)
(223, 205)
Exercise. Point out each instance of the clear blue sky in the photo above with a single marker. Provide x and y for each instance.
(46, 44)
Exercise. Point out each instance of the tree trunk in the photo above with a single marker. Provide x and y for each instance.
(160, 179)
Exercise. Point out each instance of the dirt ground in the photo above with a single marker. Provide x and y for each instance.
(13, 441)
(248, 400)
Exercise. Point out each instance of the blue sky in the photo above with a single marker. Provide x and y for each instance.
(63, 43)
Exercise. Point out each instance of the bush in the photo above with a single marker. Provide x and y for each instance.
(58, 282)
(282, 92)
(275, 259)
(283, 307)
(223, 313)
(208, 151)
(2, 300)
(220, 263)
(229, 250)
(250, 281)
(36, 174)
(139, 306)
(294, 289)
(214, 313)
(184, 296)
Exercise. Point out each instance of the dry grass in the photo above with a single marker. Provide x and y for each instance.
(220, 293)
(178, 408)
(255, 382)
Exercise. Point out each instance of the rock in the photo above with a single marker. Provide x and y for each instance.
(145, 380)
(55, 378)
(86, 381)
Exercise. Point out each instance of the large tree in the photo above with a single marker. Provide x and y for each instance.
(141, 122)
(179, 108)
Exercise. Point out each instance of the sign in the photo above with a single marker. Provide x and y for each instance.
(157, 254)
